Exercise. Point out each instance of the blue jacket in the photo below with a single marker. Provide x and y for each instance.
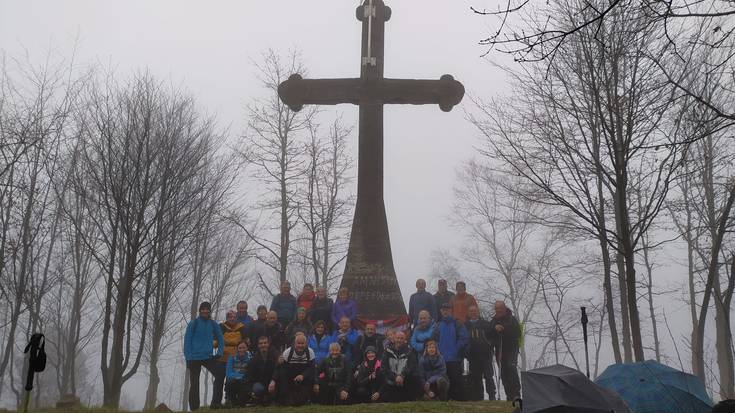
(285, 307)
(343, 309)
(452, 338)
(199, 339)
(245, 320)
(321, 348)
(419, 337)
(420, 301)
(347, 343)
(237, 366)
(432, 369)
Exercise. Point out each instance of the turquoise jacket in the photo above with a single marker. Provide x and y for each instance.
(237, 366)
(199, 339)
(420, 337)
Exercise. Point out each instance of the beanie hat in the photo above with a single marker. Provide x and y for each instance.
(369, 349)
(205, 305)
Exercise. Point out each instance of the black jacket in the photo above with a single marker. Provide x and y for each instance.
(364, 342)
(261, 369)
(363, 375)
(334, 373)
(321, 310)
(482, 336)
(509, 338)
(396, 362)
(273, 332)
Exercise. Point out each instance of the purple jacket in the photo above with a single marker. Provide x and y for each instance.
(344, 309)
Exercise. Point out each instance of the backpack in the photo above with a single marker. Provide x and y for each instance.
(36, 358)
(291, 351)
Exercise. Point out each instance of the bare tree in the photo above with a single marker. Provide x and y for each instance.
(326, 202)
(700, 212)
(145, 149)
(275, 154)
(505, 241)
(534, 31)
(35, 108)
(588, 132)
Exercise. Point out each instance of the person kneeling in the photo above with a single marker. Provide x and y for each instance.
(401, 372)
(433, 371)
(369, 377)
(260, 371)
(237, 391)
(334, 378)
(294, 377)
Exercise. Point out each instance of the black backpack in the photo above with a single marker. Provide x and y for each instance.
(36, 358)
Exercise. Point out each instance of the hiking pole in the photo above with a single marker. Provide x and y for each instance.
(500, 366)
(36, 363)
(586, 348)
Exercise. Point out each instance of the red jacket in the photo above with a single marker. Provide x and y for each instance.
(305, 300)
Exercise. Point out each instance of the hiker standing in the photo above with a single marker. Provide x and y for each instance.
(421, 301)
(507, 345)
(306, 297)
(442, 296)
(451, 337)
(242, 313)
(482, 334)
(422, 332)
(461, 302)
(284, 304)
(321, 310)
(201, 333)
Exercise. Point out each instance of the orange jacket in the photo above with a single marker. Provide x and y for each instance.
(232, 335)
(460, 305)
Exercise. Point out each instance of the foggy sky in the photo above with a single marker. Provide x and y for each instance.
(209, 47)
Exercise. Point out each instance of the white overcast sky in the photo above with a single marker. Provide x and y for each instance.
(208, 46)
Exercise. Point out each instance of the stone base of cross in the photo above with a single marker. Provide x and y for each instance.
(369, 272)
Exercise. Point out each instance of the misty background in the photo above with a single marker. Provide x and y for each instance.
(212, 52)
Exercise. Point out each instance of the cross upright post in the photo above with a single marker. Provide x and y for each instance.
(369, 271)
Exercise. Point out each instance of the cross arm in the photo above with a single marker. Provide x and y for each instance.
(297, 92)
(446, 92)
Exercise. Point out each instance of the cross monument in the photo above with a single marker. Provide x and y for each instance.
(369, 272)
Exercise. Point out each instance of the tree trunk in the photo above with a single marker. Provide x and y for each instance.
(624, 315)
(651, 309)
(698, 341)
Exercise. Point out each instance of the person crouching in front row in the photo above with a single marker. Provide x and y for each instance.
(294, 377)
(237, 391)
(433, 372)
(400, 366)
(369, 377)
(333, 378)
(261, 369)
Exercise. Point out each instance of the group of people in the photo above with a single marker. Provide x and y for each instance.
(308, 349)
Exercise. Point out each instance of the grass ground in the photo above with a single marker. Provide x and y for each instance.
(413, 407)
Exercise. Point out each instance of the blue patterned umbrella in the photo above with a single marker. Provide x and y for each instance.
(651, 387)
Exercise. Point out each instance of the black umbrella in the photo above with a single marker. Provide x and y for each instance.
(560, 389)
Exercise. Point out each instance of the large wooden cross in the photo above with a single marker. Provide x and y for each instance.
(369, 272)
